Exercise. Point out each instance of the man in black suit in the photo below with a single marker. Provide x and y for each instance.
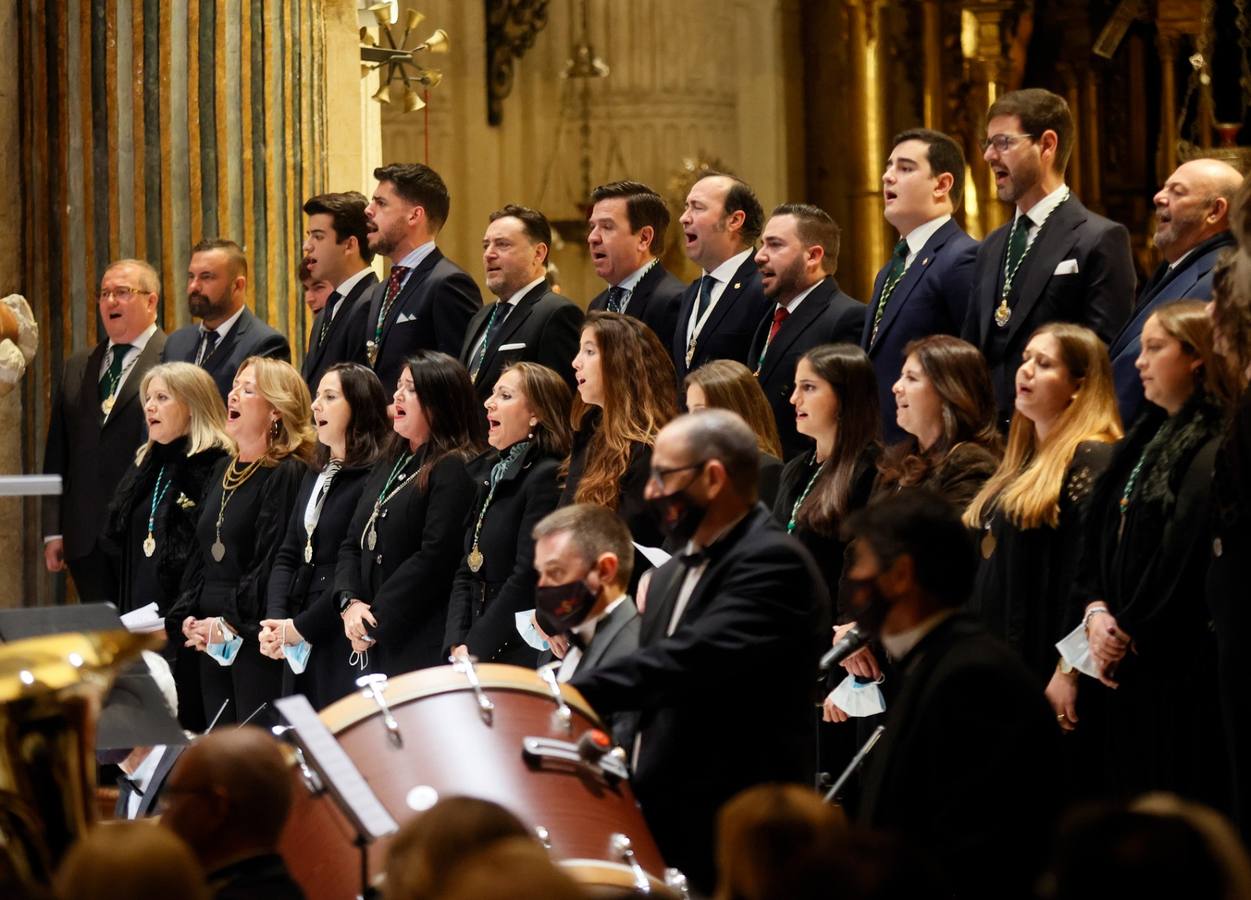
(1192, 234)
(924, 288)
(228, 333)
(427, 300)
(721, 309)
(628, 225)
(529, 321)
(723, 677)
(97, 423)
(336, 251)
(797, 259)
(1056, 260)
(967, 765)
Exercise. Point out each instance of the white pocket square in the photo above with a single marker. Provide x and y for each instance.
(1068, 267)
(505, 347)
(409, 317)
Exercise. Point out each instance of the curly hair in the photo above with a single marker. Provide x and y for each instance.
(639, 381)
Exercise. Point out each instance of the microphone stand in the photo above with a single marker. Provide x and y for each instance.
(856, 762)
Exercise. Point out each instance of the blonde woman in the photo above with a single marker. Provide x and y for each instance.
(1029, 515)
(241, 527)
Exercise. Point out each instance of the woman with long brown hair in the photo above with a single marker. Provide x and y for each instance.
(517, 484)
(1030, 514)
(945, 403)
(728, 384)
(241, 527)
(625, 381)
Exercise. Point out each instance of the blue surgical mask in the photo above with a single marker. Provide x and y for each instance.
(297, 655)
(858, 698)
(224, 652)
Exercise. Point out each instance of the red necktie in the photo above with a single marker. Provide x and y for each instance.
(779, 316)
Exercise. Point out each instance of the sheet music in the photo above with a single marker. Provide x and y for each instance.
(653, 555)
(144, 620)
(345, 781)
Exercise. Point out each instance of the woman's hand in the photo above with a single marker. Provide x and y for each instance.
(272, 637)
(1108, 643)
(831, 712)
(1062, 695)
(354, 619)
(198, 632)
(460, 650)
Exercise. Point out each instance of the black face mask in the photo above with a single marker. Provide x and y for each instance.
(861, 601)
(678, 515)
(560, 608)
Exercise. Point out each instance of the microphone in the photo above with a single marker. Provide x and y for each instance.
(844, 647)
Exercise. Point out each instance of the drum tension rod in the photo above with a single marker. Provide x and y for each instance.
(563, 714)
(465, 664)
(372, 686)
(624, 847)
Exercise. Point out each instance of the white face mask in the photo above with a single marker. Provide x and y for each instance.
(224, 652)
(528, 631)
(1075, 650)
(296, 655)
(859, 699)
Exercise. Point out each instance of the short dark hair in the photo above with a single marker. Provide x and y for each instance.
(920, 524)
(369, 428)
(593, 529)
(740, 196)
(815, 226)
(944, 154)
(643, 207)
(347, 217)
(533, 223)
(1039, 110)
(720, 434)
(237, 259)
(420, 185)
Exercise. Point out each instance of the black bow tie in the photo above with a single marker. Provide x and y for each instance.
(691, 560)
(125, 782)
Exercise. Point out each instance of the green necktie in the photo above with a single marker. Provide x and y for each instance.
(894, 275)
(113, 375)
(1018, 241)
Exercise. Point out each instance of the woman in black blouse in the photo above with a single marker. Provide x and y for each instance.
(402, 548)
(150, 531)
(303, 624)
(517, 485)
(241, 527)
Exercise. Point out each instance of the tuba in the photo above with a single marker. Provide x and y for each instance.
(51, 689)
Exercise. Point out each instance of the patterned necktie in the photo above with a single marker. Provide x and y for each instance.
(113, 374)
(480, 356)
(616, 296)
(328, 309)
(705, 296)
(207, 346)
(898, 265)
(388, 299)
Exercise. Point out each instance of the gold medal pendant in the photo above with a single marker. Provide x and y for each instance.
(308, 552)
(1003, 313)
(107, 405)
(218, 550)
(474, 559)
(371, 352)
(988, 544)
(149, 545)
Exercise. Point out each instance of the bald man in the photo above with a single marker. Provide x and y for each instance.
(1192, 233)
(228, 798)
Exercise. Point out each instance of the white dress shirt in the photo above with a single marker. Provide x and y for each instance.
(721, 275)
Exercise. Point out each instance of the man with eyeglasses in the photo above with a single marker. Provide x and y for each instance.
(96, 422)
(1056, 260)
(728, 645)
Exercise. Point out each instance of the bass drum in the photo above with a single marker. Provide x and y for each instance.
(496, 732)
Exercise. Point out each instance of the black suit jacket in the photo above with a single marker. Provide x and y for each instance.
(343, 337)
(152, 794)
(248, 337)
(731, 325)
(91, 453)
(825, 316)
(543, 328)
(967, 767)
(655, 300)
(932, 297)
(726, 700)
(432, 312)
(1098, 295)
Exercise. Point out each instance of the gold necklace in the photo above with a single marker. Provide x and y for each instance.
(232, 480)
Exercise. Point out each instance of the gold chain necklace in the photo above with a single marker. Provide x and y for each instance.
(232, 480)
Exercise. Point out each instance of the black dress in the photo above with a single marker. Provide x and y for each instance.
(1228, 575)
(234, 587)
(304, 591)
(770, 478)
(172, 568)
(406, 577)
(481, 612)
(631, 506)
(1022, 592)
(1148, 542)
(956, 478)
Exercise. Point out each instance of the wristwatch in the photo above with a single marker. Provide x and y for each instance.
(345, 600)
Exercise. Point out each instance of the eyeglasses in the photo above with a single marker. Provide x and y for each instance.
(658, 476)
(1004, 142)
(121, 294)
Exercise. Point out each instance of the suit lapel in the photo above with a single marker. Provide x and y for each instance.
(168, 758)
(727, 300)
(90, 392)
(878, 283)
(988, 288)
(662, 597)
(1050, 247)
(221, 353)
(474, 330)
(148, 357)
(411, 286)
(641, 296)
(809, 310)
(607, 632)
(317, 347)
(916, 272)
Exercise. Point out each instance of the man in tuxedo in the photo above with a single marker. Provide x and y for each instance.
(966, 767)
(1192, 233)
(96, 424)
(723, 677)
(336, 251)
(529, 321)
(628, 225)
(1056, 260)
(924, 288)
(721, 309)
(228, 333)
(798, 257)
(428, 300)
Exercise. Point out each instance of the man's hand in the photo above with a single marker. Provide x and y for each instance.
(54, 555)
(832, 712)
(1062, 695)
(862, 663)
